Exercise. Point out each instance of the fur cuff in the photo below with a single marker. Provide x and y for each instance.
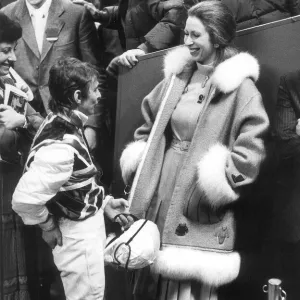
(208, 267)
(212, 177)
(130, 159)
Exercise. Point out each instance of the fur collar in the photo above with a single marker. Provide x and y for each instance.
(227, 76)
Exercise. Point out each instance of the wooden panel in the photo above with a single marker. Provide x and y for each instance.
(276, 45)
(133, 86)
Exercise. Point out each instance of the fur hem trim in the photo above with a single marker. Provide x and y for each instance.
(227, 76)
(212, 178)
(130, 159)
(213, 268)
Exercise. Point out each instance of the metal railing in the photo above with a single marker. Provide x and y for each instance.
(274, 290)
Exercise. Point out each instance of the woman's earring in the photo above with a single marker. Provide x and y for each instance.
(216, 45)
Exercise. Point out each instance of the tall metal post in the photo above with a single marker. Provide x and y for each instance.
(274, 290)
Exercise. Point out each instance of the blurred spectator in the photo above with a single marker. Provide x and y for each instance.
(18, 267)
(285, 248)
(249, 13)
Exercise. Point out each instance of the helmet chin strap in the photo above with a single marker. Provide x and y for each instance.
(129, 247)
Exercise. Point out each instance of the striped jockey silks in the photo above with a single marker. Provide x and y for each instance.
(81, 196)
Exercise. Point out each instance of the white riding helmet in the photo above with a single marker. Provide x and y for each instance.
(136, 248)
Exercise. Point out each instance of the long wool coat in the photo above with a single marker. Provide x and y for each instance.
(225, 155)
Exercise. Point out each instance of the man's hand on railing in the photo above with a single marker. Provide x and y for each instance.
(128, 59)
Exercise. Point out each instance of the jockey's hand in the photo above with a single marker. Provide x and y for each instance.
(53, 237)
(118, 207)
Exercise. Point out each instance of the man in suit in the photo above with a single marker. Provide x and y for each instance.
(51, 29)
(286, 213)
(54, 29)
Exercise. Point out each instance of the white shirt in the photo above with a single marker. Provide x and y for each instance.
(39, 19)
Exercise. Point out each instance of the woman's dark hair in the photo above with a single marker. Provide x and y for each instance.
(65, 77)
(220, 24)
(10, 31)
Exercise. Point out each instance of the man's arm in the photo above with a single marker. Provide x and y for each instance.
(88, 40)
(171, 16)
(108, 16)
(90, 48)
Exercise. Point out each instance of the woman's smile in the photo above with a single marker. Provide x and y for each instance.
(195, 51)
(7, 57)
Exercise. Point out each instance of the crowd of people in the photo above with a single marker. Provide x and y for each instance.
(194, 166)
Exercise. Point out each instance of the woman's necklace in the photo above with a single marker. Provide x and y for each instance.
(205, 81)
(201, 96)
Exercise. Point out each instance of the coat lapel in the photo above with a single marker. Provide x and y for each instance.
(28, 35)
(53, 27)
(156, 140)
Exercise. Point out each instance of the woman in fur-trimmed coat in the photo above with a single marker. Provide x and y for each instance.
(201, 144)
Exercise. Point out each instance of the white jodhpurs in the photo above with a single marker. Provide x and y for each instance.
(80, 259)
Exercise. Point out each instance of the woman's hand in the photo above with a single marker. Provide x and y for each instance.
(119, 207)
(53, 237)
(298, 127)
(10, 118)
